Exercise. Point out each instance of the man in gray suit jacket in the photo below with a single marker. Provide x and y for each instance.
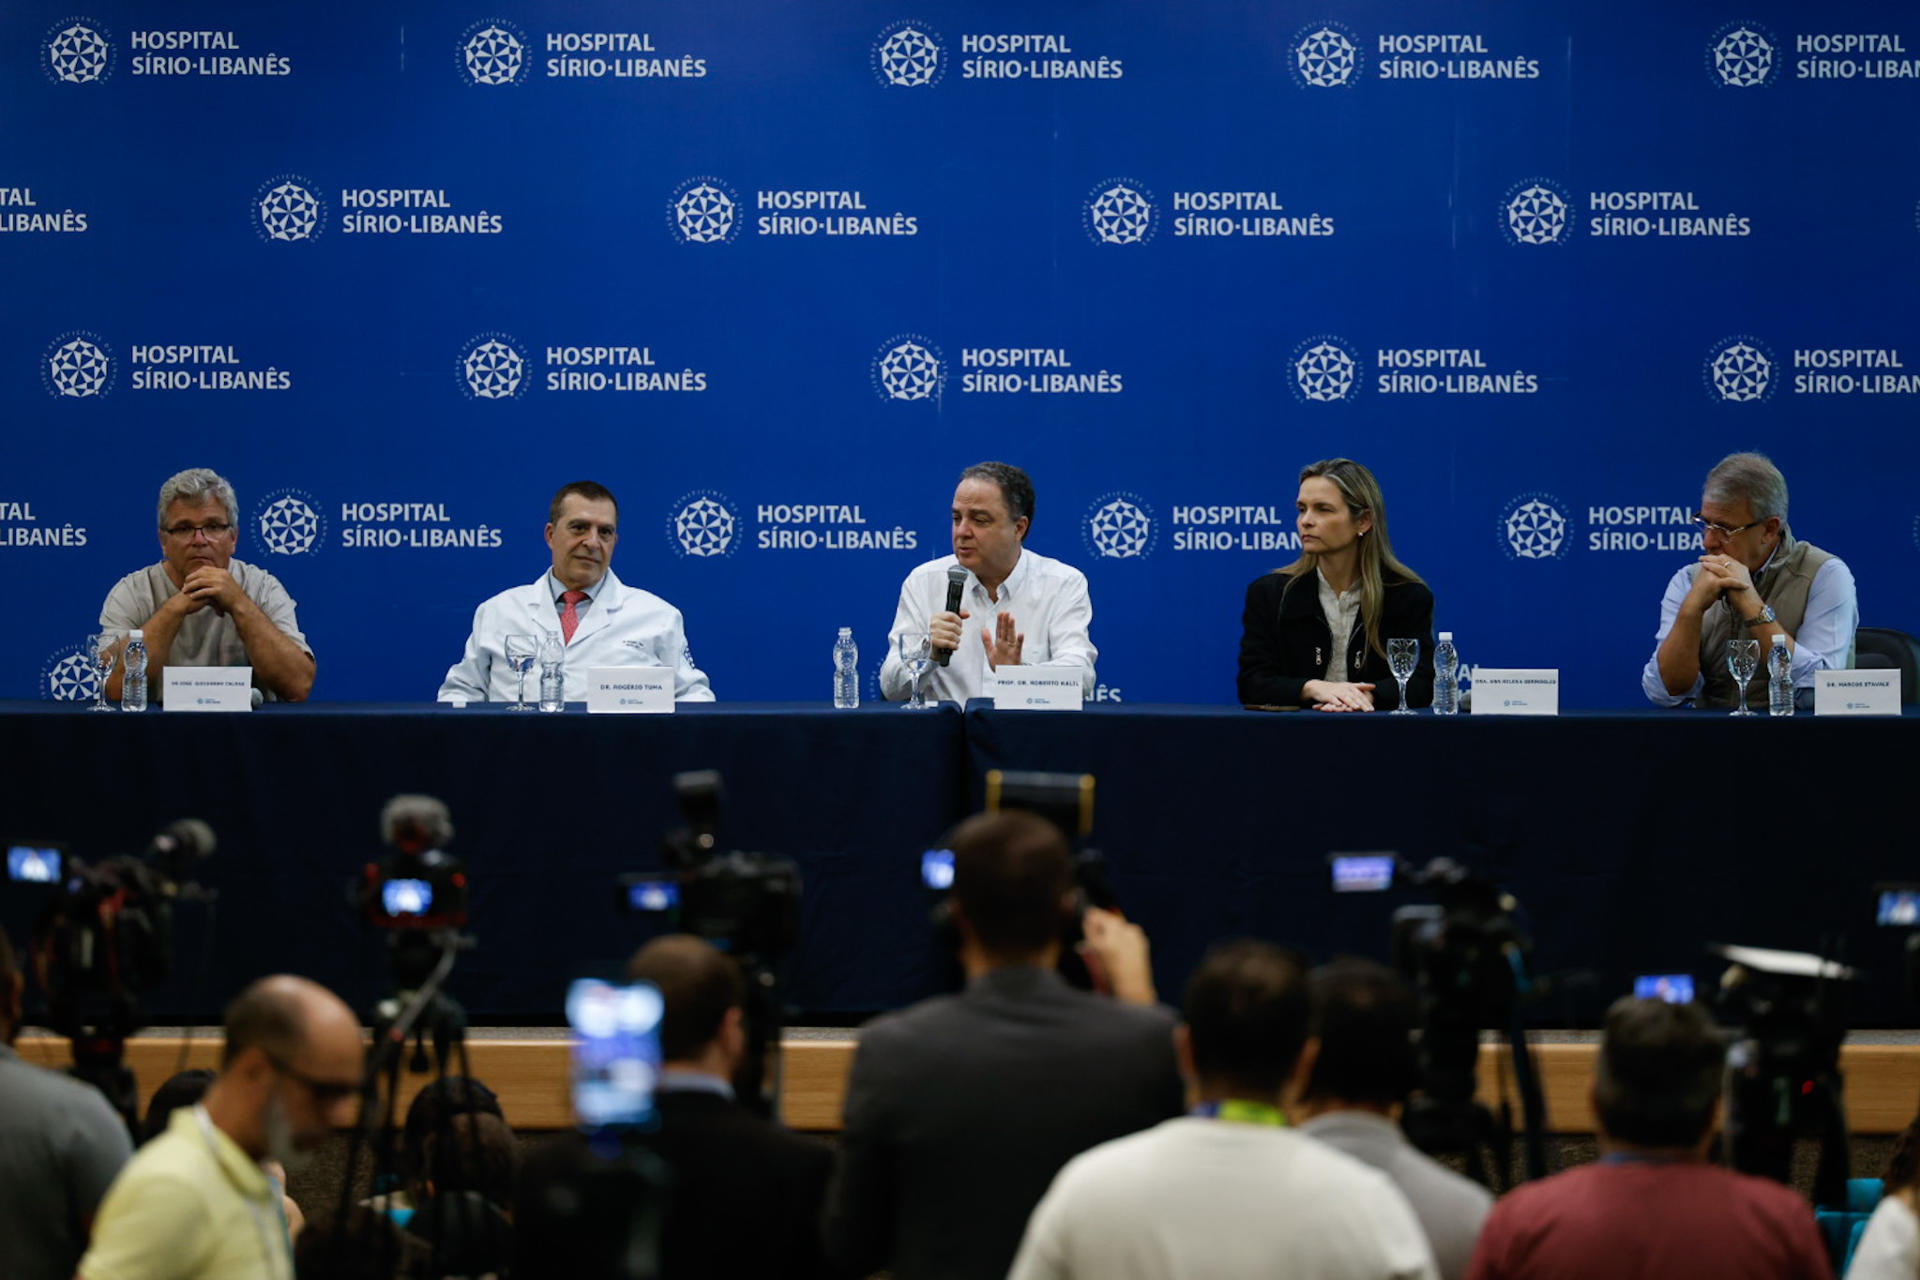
(1364, 1016)
(961, 1109)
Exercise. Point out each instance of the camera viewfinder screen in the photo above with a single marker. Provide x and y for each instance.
(406, 897)
(653, 895)
(33, 864)
(936, 869)
(1900, 907)
(616, 1052)
(1674, 988)
(1362, 873)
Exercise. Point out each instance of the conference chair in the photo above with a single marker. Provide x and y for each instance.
(1888, 649)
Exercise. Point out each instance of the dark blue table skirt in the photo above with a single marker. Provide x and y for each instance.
(547, 810)
(1631, 839)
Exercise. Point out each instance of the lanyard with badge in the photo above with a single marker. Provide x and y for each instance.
(266, 1233)
(1240, 1111)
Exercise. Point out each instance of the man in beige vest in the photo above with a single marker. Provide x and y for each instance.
(1754, 580)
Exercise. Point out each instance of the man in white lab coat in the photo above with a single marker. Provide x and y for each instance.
(602, 621)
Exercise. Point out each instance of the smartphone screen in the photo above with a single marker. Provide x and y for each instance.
(616, 1052)
(1362, 872)
(936, 869)
(1674, 988)
(1898, 907)
(33, 864)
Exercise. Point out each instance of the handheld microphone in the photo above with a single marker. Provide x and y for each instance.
(956, 584)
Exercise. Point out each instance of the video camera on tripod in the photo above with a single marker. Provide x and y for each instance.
(104, 939)
(1470, 964)
(746, 904)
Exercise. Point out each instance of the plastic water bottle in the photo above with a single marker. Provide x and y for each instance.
(133, 674)
(1779, 679)
(553, 673)
(1446, 676)
(846, 670)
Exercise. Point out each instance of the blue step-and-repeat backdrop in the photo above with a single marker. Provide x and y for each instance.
(774, 272)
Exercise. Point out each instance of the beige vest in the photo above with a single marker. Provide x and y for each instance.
(1784, 584)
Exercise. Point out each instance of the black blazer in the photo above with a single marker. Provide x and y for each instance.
(1285, 641)
(747, 1194)
(961, 1109)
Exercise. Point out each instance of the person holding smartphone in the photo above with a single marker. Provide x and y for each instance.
(1314, 634)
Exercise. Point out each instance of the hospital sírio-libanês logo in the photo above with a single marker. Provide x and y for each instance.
(77, 51)
(1121, 211)
(1537, 211)
(289, 209)
(69, 675)
(1743, 55)
(494, 52)
(704, 525)
(1326, 369)
(1120, 526)
(492, 367)
(1535, 526)
(704, 210)
(77, 366)
(909, 55)
(1326, 55)
(909, 366)
(288, 522)
(1741, 370)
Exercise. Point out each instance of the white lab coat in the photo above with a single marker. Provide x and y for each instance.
(626, 627)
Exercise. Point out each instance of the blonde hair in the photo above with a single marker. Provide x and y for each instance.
(1376, 559)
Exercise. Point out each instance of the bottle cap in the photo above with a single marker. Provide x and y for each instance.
(1446, 637)
(846, 631)
(1779, 640)
(133, 635)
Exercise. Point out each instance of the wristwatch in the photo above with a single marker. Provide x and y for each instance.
(1763, 617)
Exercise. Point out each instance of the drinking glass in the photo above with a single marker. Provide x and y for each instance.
(1402, 656)
(1743, 658)
(916, 655)
(520, 653)
(100, 653)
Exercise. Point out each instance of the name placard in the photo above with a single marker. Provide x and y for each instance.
(1856, 693)
(1516, 691)
(630, 690)
(1020, 689)
(207, 689)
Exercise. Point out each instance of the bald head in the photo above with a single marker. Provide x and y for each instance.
(283, 1015)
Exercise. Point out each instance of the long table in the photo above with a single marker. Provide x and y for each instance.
(1630, 839)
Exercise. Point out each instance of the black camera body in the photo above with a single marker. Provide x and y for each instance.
(747, 904)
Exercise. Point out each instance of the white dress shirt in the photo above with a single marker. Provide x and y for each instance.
(623, 627)
(1822, 643)
(1050, 607)
(1195, 1199)
(1343, 610)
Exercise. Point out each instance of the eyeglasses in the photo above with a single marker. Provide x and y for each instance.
(185, 532)
(1703, 524)
(324, 1091)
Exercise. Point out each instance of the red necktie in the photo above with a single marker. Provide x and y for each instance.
(570, 616)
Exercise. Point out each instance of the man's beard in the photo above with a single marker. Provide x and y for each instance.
(281, 1144)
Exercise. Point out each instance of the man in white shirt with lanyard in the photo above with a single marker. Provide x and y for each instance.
(1016, 606)
(1228, 1190)
(195, 1204)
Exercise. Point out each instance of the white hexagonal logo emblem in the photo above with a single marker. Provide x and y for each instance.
(704, 526)
(909, 367)
(908, 55)
(1119, 526)
(1535, 527)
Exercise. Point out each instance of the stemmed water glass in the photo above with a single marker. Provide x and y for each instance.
(100, 652)
(520, 653)
(916, 655)
(1402, 656)
(1743, 659)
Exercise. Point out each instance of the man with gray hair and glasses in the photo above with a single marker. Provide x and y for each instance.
(199, 607)
(1753, 581)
